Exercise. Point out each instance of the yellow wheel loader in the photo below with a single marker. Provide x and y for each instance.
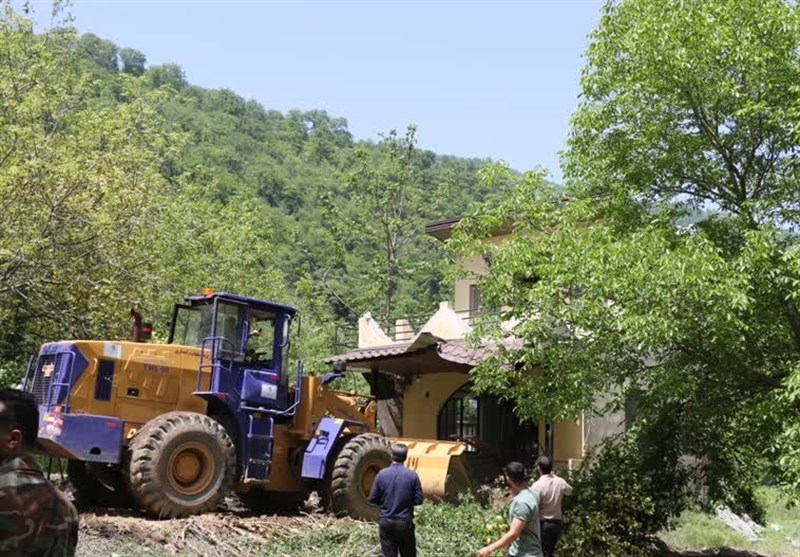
(172, 428)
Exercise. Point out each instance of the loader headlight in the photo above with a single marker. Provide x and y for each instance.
(47, 369)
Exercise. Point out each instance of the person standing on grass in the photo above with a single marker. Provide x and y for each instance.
(551, 490)
(397, 489)
(523, 538)
(36, 519)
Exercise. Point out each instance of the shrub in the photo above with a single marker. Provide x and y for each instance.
(457, 530)
(618, 507)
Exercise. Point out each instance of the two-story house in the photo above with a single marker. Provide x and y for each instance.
(421, 377)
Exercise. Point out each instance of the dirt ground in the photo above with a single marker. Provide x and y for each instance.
(232, 532)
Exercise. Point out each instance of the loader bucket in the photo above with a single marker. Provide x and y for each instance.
(441, 466)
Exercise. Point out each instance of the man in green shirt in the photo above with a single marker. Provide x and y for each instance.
(523, 538)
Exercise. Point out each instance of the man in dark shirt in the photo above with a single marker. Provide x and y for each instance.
(397, 489)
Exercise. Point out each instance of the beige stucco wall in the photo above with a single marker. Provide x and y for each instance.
(446, 324)
(423, 399)
(567, 441)
(568, 437)
(600, 423)
(476, 265)
(370, 334)
(426, 394)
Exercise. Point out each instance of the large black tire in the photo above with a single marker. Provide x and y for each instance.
(181, 463)
(353, 473)
(98, 484)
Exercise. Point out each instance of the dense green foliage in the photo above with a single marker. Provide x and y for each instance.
(619, 505)
(689, 107)
(78, 181)
(125, 185)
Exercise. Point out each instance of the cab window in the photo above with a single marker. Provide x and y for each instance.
(229, 327)
(192, 325)
(260, 346)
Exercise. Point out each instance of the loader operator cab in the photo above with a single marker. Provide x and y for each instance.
(248, 340)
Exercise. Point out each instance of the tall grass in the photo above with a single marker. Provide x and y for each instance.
(442, 529)
(780, 538)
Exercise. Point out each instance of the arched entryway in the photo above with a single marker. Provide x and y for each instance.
(489, 425)
(459, 417)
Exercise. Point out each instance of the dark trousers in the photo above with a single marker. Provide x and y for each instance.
(551, 530)
(397, 534)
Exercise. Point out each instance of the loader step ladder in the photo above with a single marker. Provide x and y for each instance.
(259, 454)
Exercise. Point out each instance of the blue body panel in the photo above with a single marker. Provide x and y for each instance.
(255, 431)
(81, 436)
(68, 365)
(320, 447)
(260, 386)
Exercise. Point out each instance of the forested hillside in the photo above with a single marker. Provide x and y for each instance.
(124, 185)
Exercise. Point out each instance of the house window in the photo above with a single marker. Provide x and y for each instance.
(459, 418)
(474, 299)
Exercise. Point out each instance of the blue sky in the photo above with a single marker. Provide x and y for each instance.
(489, 79)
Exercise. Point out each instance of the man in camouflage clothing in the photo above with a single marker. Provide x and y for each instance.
(35, 518)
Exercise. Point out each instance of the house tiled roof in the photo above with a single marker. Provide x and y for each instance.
(462, 352)
(370, 353)
(441, 229)
(457, 351)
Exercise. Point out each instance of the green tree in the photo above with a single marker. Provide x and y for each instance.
(197, 241)
(150, 188)
(386, 208)
(133, 61)
(167, 74)
(78, 179)
(104, 54)
(689, 108)
(385, 191)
